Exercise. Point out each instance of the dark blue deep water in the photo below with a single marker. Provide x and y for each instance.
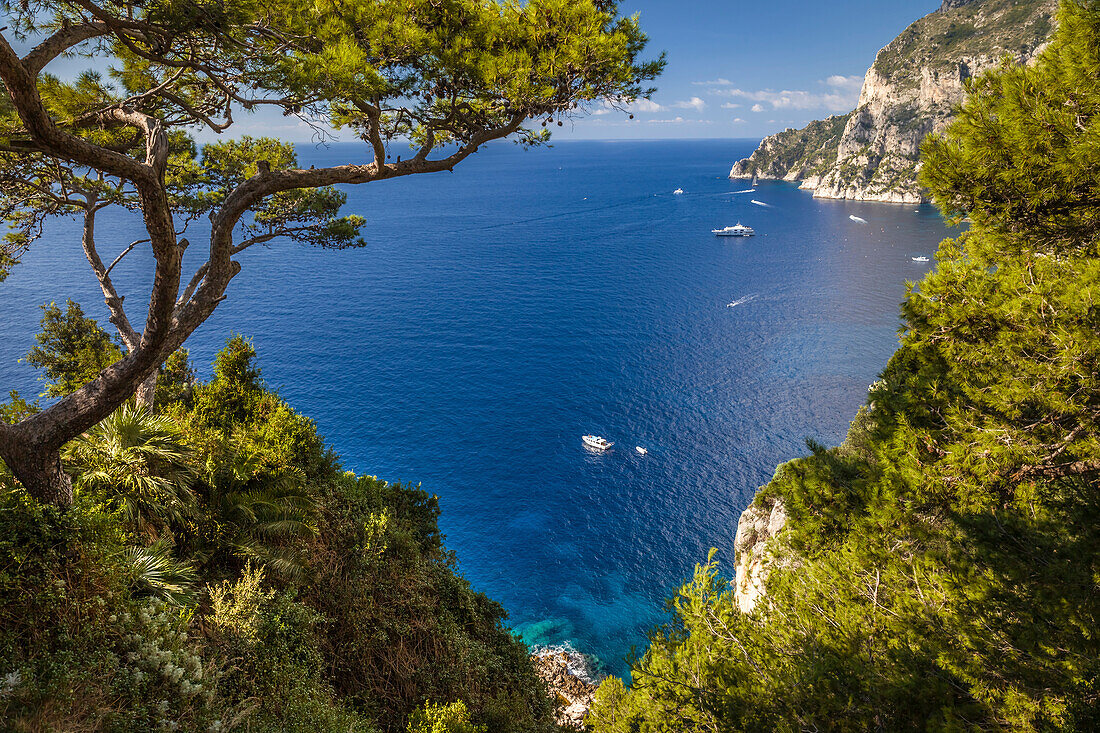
(501, 311)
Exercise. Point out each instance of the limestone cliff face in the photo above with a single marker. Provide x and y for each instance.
(910, 91)
(756, 527)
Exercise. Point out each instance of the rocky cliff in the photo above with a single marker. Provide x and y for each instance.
(872, 153)
(756, 527)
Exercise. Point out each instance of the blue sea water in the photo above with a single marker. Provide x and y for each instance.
(501, 311)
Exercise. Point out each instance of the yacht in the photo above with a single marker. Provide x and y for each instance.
(641, 451)
(740, 230)
(678, 191)
(755, 181)
(596, 442)
(921, 258)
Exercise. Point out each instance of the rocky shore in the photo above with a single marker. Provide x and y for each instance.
(568, 674)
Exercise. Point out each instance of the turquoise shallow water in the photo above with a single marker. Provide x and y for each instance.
(500, 312)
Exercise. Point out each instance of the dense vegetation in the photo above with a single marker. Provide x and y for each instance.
(219, 571)
(941, 569)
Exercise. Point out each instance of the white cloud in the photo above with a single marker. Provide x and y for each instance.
(730, 105)
(638, 105)
(737, 119)
(850, 83)
(644, 105)
(719, 82)
(694, 103)
(841, 95)
(674, 121)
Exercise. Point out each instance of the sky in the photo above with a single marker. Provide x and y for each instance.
(736, 69)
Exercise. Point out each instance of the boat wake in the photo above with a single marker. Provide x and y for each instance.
(760, 203)
(741, 301)
(747, 190)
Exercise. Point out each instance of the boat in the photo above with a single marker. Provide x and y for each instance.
(678, 191)
(596, 442)
(921, 258)
(755, 181)
(739, 230)
(641, 451)
(860, 219)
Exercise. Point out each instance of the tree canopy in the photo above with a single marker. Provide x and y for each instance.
(446, 76)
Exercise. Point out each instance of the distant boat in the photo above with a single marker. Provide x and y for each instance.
(678, 191)
(641, 450)
(740, 230)
(596, 442)
(755, 181)
(860, 219)
(921, 258)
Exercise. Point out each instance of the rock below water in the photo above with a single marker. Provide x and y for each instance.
(566, 673)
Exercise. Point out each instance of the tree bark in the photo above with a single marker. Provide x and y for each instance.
(38, 469)
(147, 390)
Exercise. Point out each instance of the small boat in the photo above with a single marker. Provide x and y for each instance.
(755, 181)
(596, 442)
(678, 191)
(740, 230)
(641, 451)
(921, 258)
(860, 219)
(758, 203)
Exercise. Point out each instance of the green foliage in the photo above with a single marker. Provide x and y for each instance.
(77, 651)
(403, 627)
(175, 381)
(939, 570)
(285, 595)
(16, 408)
(72, 349)
(155, 573)
(450, 718)
(138, 464)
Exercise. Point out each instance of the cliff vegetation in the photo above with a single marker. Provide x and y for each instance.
(218, 570)
(939, 570)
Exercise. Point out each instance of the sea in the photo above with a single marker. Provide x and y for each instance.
(499, 312)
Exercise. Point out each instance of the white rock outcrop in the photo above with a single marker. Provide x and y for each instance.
(756, 527)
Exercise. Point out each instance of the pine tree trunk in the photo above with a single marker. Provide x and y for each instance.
(146, 391)
(39, 471)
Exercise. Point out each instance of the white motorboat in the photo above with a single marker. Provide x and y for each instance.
(641, 451)
(739, 230)
(678, 191)
(921, 258)
(858, 219)
(596, 442)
